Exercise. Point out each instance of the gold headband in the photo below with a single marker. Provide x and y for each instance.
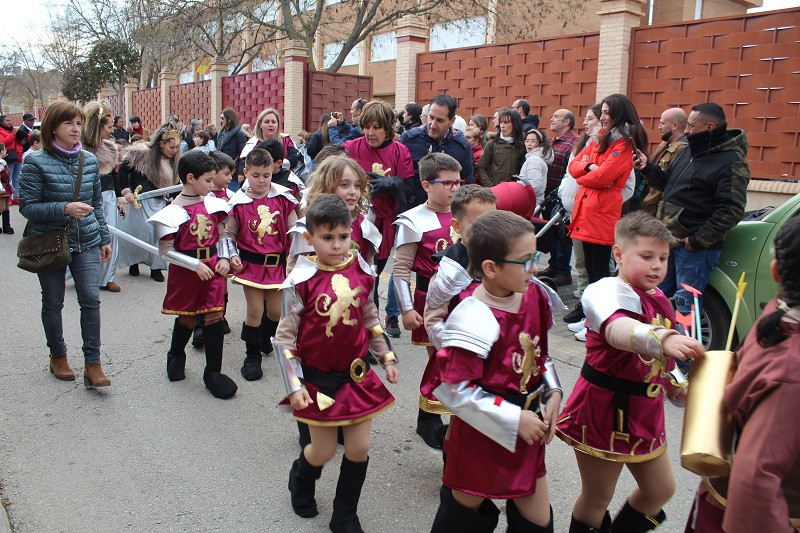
(171, 134)
(104, 110)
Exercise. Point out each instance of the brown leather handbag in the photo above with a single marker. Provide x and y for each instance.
(48, 251)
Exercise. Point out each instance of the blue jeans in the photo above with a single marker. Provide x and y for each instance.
(692, 268)
(391, 299)
(14, 170)
(560, 255)
(85, 270)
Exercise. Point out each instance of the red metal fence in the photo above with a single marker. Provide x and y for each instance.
(191, 100)
(147, 106)
(331, 91)
(250, 94)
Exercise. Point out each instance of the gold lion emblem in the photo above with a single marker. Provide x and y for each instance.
(339, 309)
(526, 364)
(264, 224)
(201, 228)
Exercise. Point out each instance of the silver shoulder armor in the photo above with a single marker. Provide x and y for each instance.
(413, 223)
(550, 378)
(365, 267)
(302, 271)
(215, 205)
(280, 190)
(471, 326)
(478, 408)
(299, 244)
(605, 297)
(290, 367)
(168, 220)
(552, 297)
(239, 197)
(371, 232)
(450, 279)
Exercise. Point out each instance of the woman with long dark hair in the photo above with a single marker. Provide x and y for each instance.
(47, 188)
(504, 154)
(602, 169)
(231, 141)
(319, 139)
(152, 166)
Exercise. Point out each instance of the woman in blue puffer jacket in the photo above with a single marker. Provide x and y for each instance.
(47, 187)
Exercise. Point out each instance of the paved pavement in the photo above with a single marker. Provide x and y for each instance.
(147, 455)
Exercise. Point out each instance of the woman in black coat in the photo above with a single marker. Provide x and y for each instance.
(231, 140)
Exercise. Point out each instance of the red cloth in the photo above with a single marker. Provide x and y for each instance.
(590, 408)
(396, 160)
(706, 514)
(187, 294)
(477, 152)
(598, 204)
(348, 340)
(274, 241)
(475, 463)
(9, 139)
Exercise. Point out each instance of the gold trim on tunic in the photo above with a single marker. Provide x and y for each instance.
(433, 406)
(607, 455)
(192, 313)
(348, 422)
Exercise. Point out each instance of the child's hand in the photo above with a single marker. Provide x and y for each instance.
(683, 347)
(678, 396)
(300, 399)
(411, 320)
(551, 409)
(391, 373)
(204, 272)
(223, 267)
(531, 427)
(236, 263)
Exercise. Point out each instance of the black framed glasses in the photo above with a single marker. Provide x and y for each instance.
(449, 185)
(528, 265)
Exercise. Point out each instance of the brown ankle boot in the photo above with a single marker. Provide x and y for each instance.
(60, 368)
(93, 376)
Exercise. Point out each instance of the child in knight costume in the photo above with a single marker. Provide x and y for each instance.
(190, 226)
(328, 326)
(344, 177)
(495, 375)
(615, 413)
(422, 232)
(259, 219)
(762, 492)
(219, 188)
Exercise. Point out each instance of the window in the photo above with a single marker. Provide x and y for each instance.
(331, 2)
(332, 51)
(458, 33)
(186, 77)
(384, 47)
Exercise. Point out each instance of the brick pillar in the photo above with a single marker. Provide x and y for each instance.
(295, 61)
(617, 19)
(166, 79)
(37, 108)
(218, 70)
(411, 33)
(128, 110)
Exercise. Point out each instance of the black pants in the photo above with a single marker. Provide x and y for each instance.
(596, 257)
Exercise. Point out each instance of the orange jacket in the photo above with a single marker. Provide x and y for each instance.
(598, 204)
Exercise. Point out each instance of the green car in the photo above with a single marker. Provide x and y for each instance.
(748, 248)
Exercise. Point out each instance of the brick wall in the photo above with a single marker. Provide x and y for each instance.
(191, 100)
(116, 104)
(147, 106)
(750, 65)
(548, 73)
(250, 94)
(16, 119)
(330, 91)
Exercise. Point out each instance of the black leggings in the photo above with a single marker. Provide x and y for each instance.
(596, 258)
(380, 264)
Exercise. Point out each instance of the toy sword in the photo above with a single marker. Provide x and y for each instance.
(174, 257)
(152, 194)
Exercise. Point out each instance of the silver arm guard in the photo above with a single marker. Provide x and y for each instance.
(290, 303)
(477, 408)
(182, 260)
(645, 340)
(405, 299)
(226, 248)
(451, 278)
(550, 379)
(435, 334)
(289, 365)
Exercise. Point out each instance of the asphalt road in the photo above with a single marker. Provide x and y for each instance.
(147, 455)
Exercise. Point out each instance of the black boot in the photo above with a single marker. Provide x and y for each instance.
(348, 492)
(519, 524)
(580, 527)
(452, 516)
(220, 385)
(268, 329)
(629, 520)
(302, 480)
(176, 356)
(431, 429)
(226, 328)
(7, 229)
(157, 275)
(197, 337)
(576, 315)
(251, 369)
(304, 435)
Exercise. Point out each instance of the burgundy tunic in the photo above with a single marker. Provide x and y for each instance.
(331, 336)
(475, 463)
(589, 421)
(424, 265)
(396, 160)
(263, 224)
(223, 194)
(187, 294)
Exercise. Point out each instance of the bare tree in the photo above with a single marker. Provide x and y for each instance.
(36, 79)
(9, 71)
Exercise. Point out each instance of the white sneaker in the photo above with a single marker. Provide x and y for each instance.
(581, 335)
(575, 327)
